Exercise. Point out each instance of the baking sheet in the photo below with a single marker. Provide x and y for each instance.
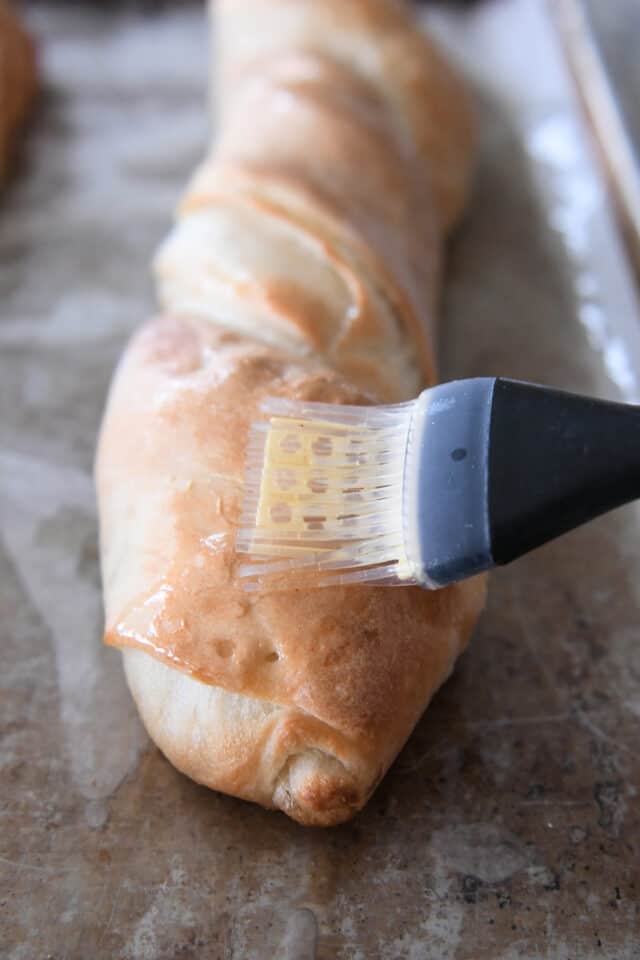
(509, 825)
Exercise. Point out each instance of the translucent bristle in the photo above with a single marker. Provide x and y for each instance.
(323, 496)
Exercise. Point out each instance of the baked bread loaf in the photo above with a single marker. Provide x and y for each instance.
(304, 263)
(17, 81)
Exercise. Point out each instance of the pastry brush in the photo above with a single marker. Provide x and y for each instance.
(471, 474)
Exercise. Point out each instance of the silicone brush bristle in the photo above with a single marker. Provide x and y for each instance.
(323, 495)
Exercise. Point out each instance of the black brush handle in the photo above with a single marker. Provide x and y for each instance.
(452, 522)
(556, 460)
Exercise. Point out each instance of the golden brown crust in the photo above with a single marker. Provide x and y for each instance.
(247, 747)
(378, 41)
(17, 81)
(350, 668)
(258, 256)
(304, 264)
